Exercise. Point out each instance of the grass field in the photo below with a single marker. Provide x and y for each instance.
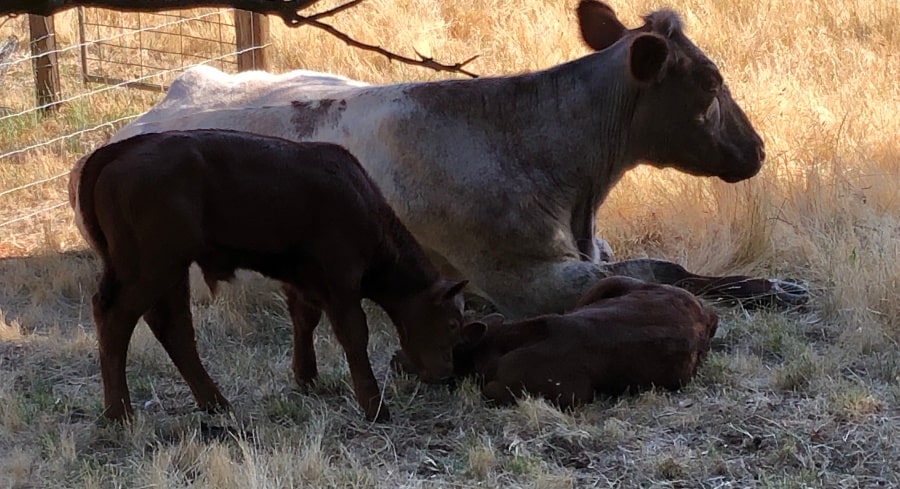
(805, 398)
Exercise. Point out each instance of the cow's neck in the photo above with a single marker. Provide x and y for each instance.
(594, 108)
(563, 128)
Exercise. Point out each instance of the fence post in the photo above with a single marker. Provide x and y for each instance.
(251, 33)
(46, 67)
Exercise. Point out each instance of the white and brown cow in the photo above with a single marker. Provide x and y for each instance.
(499, 178)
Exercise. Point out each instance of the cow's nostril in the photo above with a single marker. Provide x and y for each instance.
(761, 152)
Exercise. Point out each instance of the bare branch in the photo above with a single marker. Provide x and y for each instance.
(422, 61)
(329, 13)
(286, 9)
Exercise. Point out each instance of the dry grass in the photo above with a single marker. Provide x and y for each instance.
(786, 400)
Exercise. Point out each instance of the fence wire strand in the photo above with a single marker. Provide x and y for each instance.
(113, 50)
(107, 88)
(106, 40)
(130, 32)
(34, 213)
(33, 184)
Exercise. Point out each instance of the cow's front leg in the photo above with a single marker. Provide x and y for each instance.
(749, 291)
(590, 247)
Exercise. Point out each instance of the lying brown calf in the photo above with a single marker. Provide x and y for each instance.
(305, 214)
(624, 334)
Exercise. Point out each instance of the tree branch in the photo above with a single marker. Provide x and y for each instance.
(422, 61)
(286, 9)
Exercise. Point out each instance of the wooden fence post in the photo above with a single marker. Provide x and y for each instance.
(46, 67)
(251, 32)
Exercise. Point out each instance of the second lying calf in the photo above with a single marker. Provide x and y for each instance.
(624, 334)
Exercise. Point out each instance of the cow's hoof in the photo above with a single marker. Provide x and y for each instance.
(779, 294)
(604, 251)
(789, 292)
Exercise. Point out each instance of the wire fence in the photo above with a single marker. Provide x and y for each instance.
(103, 57)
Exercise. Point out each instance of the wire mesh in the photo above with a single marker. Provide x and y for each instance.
(120, 49)
(102, 55)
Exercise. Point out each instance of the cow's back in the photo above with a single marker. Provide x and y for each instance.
(204, 89)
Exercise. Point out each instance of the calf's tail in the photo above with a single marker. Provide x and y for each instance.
(81, 195)
(90, 168)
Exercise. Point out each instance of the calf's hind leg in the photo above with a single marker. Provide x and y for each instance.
(305, 316)
(171, 322)
(115, 320)
(117, 306)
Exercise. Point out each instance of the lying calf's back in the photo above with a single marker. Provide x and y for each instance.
(640, 335)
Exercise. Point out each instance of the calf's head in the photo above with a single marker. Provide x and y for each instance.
(684, 116)
(430, 325)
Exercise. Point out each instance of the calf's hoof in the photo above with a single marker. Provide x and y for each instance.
(378, 414)
(400, 363)
(216, 405)
(118, 412)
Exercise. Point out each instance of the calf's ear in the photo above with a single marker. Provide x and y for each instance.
(600, 28)
(473, 332)
(493, 319)
(647, 57)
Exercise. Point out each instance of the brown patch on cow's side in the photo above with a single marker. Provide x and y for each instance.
(312, 114)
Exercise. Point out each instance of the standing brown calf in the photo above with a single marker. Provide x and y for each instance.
(305, 214)
(624, 334)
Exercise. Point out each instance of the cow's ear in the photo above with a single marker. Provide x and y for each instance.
(647, 58)
(600, 28)
(473, 332)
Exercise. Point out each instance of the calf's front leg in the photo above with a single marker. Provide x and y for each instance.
(349, 324)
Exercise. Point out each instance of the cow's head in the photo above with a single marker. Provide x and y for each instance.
(684, 116)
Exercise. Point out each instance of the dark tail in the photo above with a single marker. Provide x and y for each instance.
(83, 180)
(90, 171)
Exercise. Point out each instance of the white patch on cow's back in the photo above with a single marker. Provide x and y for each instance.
(211, 88)
(207, 93)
